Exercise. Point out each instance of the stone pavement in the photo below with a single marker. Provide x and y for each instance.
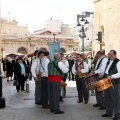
(21, 106)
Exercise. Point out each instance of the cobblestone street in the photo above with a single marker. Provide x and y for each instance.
(21, 106)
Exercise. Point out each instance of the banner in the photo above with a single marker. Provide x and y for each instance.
(54, 47)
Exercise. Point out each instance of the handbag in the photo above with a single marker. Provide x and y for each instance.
(15, 81)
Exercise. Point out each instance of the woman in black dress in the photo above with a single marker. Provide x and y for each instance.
(9, 67)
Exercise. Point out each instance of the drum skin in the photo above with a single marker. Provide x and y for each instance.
(103, 84)
(91, 80)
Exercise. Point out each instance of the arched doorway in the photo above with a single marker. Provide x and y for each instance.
(62, 50)
(22, 50)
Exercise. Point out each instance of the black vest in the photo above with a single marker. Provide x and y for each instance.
(113, 70)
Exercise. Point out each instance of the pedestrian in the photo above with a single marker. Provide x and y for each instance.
(9, 67)
(20, 74)
(4, 66)
(55, 71)
(27, 65)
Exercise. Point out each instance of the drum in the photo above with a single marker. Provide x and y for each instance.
(103, 84)
(91, 80)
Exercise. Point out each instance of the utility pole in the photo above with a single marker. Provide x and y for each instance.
(2, 100)
(54, 36)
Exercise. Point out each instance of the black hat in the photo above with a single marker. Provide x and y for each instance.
(46, 53)
(19, 58)
(36, 52)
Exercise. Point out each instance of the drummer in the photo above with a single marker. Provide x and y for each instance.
(112, 94)
(99, 69)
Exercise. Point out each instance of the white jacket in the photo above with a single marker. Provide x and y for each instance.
(35, 68)
(44, 67)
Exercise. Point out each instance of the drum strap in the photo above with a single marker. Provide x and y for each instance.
(81, 65)
(107, 64)
(99, 63)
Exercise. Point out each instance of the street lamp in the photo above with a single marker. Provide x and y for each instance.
(82, 27)
(2, 100)
(54, 36)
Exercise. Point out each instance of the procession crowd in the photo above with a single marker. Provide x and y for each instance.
(50, 78)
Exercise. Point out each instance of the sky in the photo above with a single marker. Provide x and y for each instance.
(35, 12)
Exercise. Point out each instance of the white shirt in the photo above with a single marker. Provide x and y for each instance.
(85, 70)
(89, 64)
(44, 66)
(35, 67)
(66, 63)
(117, 75)
(63, 67)
(102, 66)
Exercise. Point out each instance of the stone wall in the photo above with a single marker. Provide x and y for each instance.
(107, 15)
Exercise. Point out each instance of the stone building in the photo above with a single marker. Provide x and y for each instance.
(17, 39)
(106, 20)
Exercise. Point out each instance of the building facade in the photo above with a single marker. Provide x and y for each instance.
(17, 39)
(106, 20)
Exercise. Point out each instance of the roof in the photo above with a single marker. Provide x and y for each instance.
(42, 32)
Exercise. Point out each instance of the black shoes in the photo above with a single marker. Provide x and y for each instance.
(102, 108)
(22, 90)
(46, 107)
(61, 99)
(96, 105)
(59, 112)
(40, 103)
(86, 101)
(51, 110)
(106, 115)
(117, 117)
(79, 101)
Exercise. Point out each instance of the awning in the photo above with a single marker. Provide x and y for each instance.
(15, 54)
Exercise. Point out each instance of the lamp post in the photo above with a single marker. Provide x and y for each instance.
(82, 27)
(54, 36)
(2, 100)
